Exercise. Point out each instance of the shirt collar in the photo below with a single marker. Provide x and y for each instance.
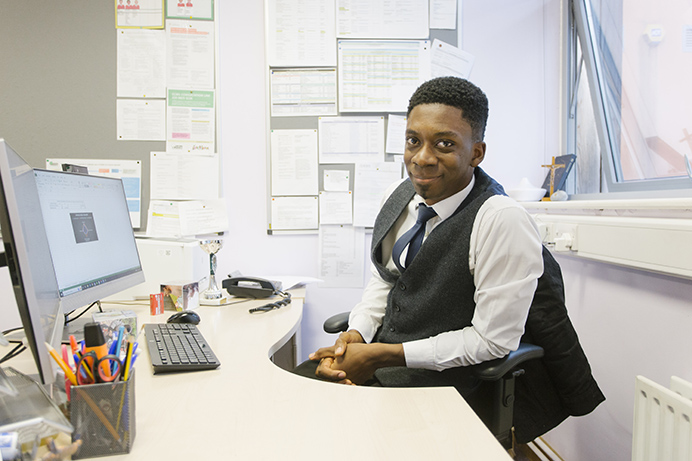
(445, 208)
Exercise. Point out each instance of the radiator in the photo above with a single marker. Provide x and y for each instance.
(662, 421)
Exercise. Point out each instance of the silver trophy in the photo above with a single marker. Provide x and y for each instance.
(212, 247)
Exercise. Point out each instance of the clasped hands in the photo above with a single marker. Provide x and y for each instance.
(351, 361)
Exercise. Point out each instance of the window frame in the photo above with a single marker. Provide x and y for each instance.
(581, 33)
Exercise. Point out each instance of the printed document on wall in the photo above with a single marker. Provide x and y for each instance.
(336, 207)
(381, 76)
(140, 119)
(371, 182)
(300, 33)
(129, 172)
(302, 92)
(189, 54)
(396, 134)
(175, 176)
(443, 14)
(449, 61)
(139, 14)
(200, 9)
(342, 256)
(351, 139)
(294, 162)
(294, 213)
(382, 19)
(163, 219)
(141, 63)
(190, 117)
(198, 217)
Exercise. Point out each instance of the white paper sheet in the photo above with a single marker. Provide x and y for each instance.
(175, 176)
(129, 172)
(396, 134)
(163, 219)
(202, 217)
(294, 213)
(300, 33)
(190, 117)
(381, 76)
(351, 139)
(342, 256)
(336, 180)
(336, 207)
(141, 63)
(382, 19)
(443, 14)
(294, 162)
(186, 9)
(448, 60)
(147, 14)
(303, 92)
(371, 181)
(141, 119)
(189, 54)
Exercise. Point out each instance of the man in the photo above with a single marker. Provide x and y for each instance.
(479, 282)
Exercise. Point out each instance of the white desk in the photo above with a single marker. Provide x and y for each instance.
(250, 409)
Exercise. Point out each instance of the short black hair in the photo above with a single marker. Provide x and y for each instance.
(456, 92)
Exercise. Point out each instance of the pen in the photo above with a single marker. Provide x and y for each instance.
(128, 360)
(73, 344)
(68, 373)
(119, 342)
(66, 359)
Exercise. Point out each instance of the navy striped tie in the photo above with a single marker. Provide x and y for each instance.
(413, 237)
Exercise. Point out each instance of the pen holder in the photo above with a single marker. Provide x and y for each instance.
(103, 416)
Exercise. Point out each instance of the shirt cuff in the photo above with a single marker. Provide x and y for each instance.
(364, 326)
(419, 354)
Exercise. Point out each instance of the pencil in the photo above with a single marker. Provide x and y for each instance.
(65, 367)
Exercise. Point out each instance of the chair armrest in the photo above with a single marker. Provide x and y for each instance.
(336, 323)
(495, 369)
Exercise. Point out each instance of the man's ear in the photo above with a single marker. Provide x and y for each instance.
(478, 154)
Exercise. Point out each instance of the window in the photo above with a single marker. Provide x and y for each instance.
(630, 109)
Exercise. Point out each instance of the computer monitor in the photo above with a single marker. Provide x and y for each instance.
(28, 259)
(90, 235)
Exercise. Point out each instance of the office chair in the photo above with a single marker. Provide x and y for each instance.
(494, 404)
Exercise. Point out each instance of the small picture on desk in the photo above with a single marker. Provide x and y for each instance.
(561, 173)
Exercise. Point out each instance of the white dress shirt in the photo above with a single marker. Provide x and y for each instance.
(505, 259)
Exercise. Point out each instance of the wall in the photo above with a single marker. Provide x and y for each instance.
(630, 323)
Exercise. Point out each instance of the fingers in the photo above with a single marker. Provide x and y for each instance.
(323, 352)
(325, 371)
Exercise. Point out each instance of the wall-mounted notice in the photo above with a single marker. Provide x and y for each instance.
(141, 64)
(190, 118)
(294, 213)
(447, 60)
(342, 256)
(300, 33)
(294, 162)
(381, 76)
(351, 139)
(187, 9)
(303, 92)
(189, 54)
(139, 14)
(182, 176)
(382, 19)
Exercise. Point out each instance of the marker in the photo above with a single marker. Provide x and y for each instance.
(73, 344)
(68, 373)
(94, 341)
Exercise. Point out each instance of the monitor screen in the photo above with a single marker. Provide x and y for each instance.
(90, 236)
(28, 258)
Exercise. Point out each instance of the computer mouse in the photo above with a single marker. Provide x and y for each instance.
(184, 317)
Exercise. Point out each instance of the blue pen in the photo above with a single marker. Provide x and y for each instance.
(121, 331)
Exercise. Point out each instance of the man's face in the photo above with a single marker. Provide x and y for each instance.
(440, 152)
